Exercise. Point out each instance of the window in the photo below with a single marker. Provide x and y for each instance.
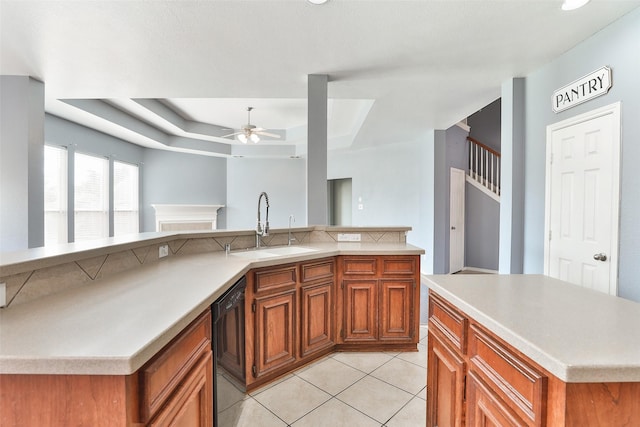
(91, 190)
(125, 198)
(55, 195)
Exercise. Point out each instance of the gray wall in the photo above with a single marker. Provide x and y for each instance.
(450, 152)
(482, 232)
(172, 177)
(617, 46)
(21, 163)
(284, 180)
(485, 125)
(395, 185)
(482, 213)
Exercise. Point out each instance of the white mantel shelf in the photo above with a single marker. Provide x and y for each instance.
(182, 217)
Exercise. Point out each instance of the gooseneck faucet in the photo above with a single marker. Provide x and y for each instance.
(262, 229)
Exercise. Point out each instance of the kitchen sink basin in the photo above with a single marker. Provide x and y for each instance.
(272, 252)
(290, 250)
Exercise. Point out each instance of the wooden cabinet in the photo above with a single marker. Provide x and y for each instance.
(379, 301)
(500, 386)
(474, 378)
(291, 317)
(486, 409)
(275, 333)
(445, 384)
(296, 313)
(317, 284)
(396, 309)
(174, 388)
(361, 310)
(271, 327)
(177, 383)
(191, 404)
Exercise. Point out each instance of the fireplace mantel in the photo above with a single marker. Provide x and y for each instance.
(186, 217)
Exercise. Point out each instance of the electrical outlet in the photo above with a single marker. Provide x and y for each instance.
(349, 237)
(163, 251)
(3, 294)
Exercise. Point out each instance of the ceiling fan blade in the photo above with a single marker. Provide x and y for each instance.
(231, 134)
(270, 135)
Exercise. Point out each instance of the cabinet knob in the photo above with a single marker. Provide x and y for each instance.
(453, 228)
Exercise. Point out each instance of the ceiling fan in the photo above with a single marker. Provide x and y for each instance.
(249, 132)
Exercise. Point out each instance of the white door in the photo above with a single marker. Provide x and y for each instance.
(456, 220)
(583, 155)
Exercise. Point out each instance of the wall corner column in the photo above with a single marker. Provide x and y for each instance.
(21, 163)
(317, 203)
(511, 253)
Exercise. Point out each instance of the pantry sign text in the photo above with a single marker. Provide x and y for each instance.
(588, 87)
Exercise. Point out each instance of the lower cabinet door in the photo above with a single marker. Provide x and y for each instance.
(396, 309)
(445, 385)
(361, 310)
(275, 342)
(315, 318)
(191, 404)
(485, 408)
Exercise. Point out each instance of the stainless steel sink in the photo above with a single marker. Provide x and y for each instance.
(272, 252)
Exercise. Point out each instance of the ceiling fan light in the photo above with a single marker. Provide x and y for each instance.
(243, 138)
(573, 4)
(255, 138)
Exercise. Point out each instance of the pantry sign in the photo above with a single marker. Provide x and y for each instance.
(588, 87)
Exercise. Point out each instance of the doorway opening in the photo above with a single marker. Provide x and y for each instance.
(340, 201)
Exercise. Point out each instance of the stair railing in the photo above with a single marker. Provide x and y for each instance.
(484, 165)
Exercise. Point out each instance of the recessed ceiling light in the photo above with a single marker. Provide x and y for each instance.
(573, 4)
(318, 1)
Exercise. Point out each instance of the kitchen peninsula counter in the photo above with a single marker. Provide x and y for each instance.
(114, 325)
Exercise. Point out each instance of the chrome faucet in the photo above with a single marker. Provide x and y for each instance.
(262, 229)
(291, 239)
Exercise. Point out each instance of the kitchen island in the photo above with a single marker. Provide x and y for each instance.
(137, 332)
(530, 350)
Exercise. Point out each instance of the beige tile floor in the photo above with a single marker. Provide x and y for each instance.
(342, 389)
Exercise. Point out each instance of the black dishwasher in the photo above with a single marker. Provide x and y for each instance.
(228, 341)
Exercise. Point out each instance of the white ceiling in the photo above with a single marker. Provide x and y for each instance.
(185, 70)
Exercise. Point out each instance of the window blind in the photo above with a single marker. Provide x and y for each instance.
(125, 198)
(91, 190)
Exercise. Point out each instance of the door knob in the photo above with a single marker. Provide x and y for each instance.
(600, 257)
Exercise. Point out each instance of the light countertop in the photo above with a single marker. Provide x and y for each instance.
(577, 334)
(114, 326)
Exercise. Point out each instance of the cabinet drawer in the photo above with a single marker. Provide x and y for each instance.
(323, 269)
(516, 381)
(360, 265)
(272, 279)
(399, 266)
(163, 374)
(451, 323)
